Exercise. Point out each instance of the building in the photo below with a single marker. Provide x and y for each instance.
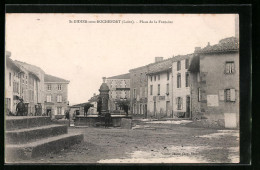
(215, 83)
(32, 87)
(93, 100)
(181, 87)
(12, 83)
(56, 95)
(160, 88)
(119, 90)
(138, 91)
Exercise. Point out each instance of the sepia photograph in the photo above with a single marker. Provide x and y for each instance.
(95, 88)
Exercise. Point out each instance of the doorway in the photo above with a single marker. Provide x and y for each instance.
(168, 109)
(187, 115)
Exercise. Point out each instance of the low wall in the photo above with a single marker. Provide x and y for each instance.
(94, 120)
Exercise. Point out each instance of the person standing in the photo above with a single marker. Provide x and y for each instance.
(20, 108)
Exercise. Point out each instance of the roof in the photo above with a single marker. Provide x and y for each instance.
(122, 76)
(230, 44)
(31, 67)
(53, 79)
(11, 63)
(80, 104)
(165, 65)
(93, 98)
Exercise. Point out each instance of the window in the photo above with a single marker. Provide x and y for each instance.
(187, 80)
(49, 86)
(134, 93)
(10, 79)
(230, 67)
(199, 95)
(167, 89)
(59, 98)
(59, 87)
(155, 78)
(178, 65)
(230, 95)
(151, 89)
(151, 78)
(179, 81)
(159, 89)
(48, 98)
(159, 77)
(168, 75)
(187, 63)
(179, 103)
(59, 110)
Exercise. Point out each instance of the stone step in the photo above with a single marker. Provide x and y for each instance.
(20, 122)
(31, 134)
(40, 147)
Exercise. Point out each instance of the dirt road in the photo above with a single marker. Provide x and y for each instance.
(150, 142)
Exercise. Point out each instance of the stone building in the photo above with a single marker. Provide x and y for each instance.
(12, 83)
(160, 88)
(56, 95)
(138, 91)
(215, 83)
(181, 87)
(32, 87)
(119, 89)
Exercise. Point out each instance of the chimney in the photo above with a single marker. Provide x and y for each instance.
(157, 59)
(197, 49)
(208, 44)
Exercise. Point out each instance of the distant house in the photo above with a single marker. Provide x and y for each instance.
(119, 87)
(56, 95)
(215, 83)
(93, 100)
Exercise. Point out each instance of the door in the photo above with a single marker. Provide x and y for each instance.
(154, 107)
(168, 109)
(187, 115)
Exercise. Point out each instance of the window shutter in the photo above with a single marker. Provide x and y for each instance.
(232, 95)
(176, 102)
(181, 103)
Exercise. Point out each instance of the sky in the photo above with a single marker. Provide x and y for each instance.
(85, 52)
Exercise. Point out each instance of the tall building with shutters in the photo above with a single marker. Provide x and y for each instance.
(215, 83)
(56, 95)
(119, 90)
(160, 88)
(181, 103)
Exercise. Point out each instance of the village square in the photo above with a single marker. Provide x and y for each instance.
(181, 109)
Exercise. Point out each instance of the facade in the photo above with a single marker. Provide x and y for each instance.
(119, 89)
(181, 97)
(138, 91)
(215, 83)
(56, 95)
(160, 89)
(32, 88)
(12, 84)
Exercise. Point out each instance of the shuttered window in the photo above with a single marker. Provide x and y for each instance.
(230, 95)
(230, 67)
(179, 103)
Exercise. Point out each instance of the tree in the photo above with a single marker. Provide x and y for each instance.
(124, 104)
(86, 107)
